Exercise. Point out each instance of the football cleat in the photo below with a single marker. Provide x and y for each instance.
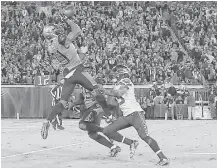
(60, 127)
(133, 147)
(44, 129)
(164, 162)
(69, 11)
(114, 151)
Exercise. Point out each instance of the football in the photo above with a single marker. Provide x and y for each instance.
(69, 11)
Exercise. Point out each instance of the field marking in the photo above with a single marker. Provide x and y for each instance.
(41, 150)
(64, 146)
(202, 153)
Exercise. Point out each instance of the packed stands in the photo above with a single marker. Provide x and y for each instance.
(159, 41)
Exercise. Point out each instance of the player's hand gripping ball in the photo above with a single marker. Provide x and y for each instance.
(69, 11)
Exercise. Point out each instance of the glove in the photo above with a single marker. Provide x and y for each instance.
(108, 120)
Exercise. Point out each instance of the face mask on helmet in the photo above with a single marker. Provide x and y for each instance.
(122, 72)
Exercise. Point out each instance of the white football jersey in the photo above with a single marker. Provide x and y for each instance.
(129, 103)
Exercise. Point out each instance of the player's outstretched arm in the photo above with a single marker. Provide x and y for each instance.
(75, 30)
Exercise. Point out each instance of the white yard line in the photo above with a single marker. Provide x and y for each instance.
(41, 150)
(202, 153)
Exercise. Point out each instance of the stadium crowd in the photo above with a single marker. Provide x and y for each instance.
(137, 34)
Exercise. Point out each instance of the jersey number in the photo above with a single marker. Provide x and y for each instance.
(42, 80)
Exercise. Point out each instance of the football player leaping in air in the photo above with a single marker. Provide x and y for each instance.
(70, 60)
(132, 113)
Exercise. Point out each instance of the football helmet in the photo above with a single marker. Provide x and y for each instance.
(121, 71)
(69, 11)
(49, 32)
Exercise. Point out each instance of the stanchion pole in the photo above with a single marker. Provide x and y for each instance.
(18, 116)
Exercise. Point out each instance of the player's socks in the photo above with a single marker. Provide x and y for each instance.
(102, 140)
(56, 110)
(160, 154)
(119, 138)
(127, 141)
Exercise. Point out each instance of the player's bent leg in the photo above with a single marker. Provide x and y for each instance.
(140, 125)
(111, 131)
(119, 124)
(88, 82)
(112, 128)
(59, 122)
(54, 124)
(84, 79)
(100, 139)
(67, 90)
(88, 126)
(114, 149)
(132, 143)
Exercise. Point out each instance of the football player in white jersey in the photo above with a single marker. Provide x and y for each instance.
(133, 114)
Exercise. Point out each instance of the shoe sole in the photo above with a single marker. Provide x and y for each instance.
(165, 163)
(116, 153)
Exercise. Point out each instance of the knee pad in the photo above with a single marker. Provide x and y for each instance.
(83, 125)
(93, 135)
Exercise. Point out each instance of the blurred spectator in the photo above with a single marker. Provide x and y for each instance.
(212, 104)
